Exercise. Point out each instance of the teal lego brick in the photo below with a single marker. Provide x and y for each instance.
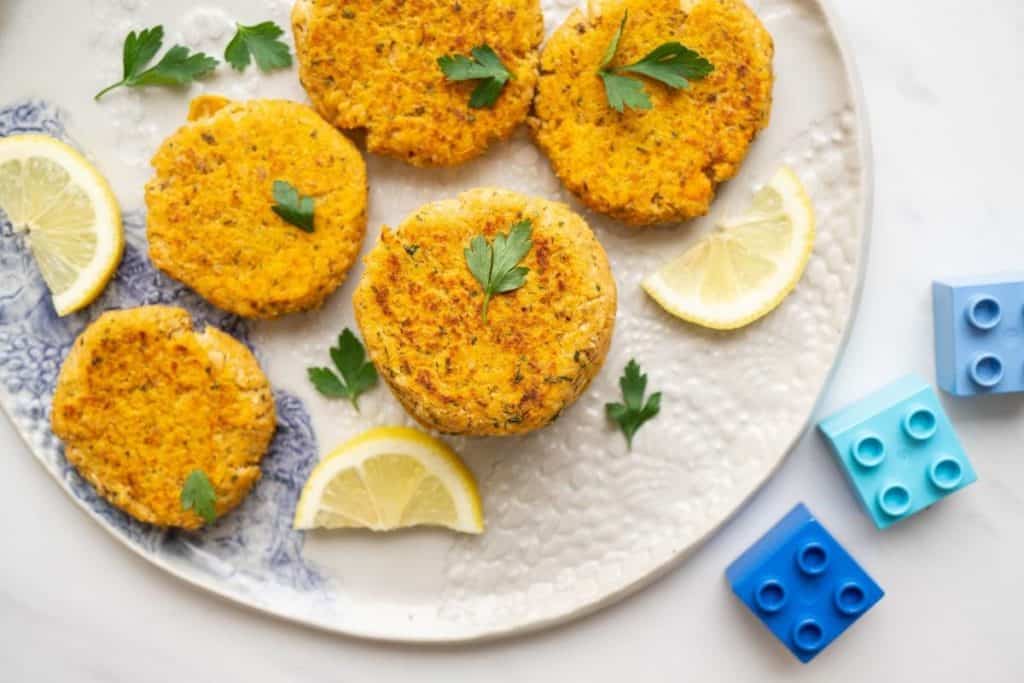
(899, 450)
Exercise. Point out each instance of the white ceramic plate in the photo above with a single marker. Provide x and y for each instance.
(574, 521)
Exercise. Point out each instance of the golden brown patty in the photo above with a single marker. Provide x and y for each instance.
(211, 224)
(659, 165)
(373, 64)
(142, 400)
(418, 307)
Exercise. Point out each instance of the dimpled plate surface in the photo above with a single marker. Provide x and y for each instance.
(574, 520)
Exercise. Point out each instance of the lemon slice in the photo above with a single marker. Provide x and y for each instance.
(71, 219)
(744, 268)
(391, 478)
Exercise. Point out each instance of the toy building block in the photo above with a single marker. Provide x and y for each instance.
(898, 450)
(979, 348)
(802, 584)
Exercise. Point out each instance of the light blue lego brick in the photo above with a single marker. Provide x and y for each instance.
(802, 584)
(899, 450)
(979, 334)
(945, 344)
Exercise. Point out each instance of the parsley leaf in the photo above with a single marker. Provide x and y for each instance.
(495, 265)
(259, 41)
(671, 63)
(613, 47)
(198, 494)
(140, 48)
(484, 66)
(357, 374)
(623, 92)
(178, 66)
(631, 414)
(293, 207)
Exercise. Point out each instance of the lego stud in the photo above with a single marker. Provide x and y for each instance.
(894, 500)
(946, 473)
(812, 559)
(920, 423)
(983, 312)
(850, 599)
(808, 635)
(868, 451)
(770, 596)
(986, 370)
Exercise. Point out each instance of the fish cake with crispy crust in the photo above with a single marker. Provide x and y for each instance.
(142, 400)
(663, 164)
(419, 310)
(211, 223)
(372, 64)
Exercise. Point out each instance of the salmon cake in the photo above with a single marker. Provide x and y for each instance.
(662, 164)
(373, 65)
(420, 310)
(212, 223)
(142, 400)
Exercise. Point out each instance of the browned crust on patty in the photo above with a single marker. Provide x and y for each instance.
(662, 164)
(142, 400)
(372, 64)
(419, 310)
(211, 222)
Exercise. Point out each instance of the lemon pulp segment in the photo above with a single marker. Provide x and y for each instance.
(69, 215)
(746, 266)
(390, 478)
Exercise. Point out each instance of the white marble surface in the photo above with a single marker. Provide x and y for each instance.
(944, 94)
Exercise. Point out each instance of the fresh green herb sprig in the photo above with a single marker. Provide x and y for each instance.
(495, 265)
(357, 374)
(260, 42)
(199, 495)
(484, 66)
(671, 63)
(292, 206)
(633, 412)
(178, 66)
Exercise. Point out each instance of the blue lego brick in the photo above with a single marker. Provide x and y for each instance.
(899, 450)
(802, 584)
(979, 341)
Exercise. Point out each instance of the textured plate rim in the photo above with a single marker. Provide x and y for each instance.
(485, 634)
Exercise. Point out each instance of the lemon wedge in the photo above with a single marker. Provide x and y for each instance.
(68, 212)
(746, 266)
(391, 478)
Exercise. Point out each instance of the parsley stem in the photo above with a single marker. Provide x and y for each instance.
(487, 301)
(103, 92)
